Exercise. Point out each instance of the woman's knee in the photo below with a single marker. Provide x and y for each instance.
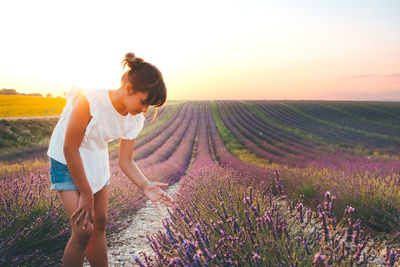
(100, 223)
(81, 235)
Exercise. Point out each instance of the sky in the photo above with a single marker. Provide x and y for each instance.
(333, 50)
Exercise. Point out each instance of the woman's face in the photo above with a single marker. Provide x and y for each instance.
(136, 103)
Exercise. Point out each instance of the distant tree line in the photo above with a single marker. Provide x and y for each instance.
(5, 91)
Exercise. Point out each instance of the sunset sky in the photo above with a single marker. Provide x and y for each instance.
(343, 49)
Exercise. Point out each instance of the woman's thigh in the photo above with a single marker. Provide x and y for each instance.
(70, 200)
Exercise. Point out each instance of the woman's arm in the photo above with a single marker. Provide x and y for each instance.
(76, 127)
(151, 189)
(128, 166)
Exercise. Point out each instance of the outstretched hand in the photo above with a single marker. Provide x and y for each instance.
(154, 192)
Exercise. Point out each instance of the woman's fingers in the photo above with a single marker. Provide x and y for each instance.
(76, 213)
(75, 216)
(84, 216)
(166, 202)
(164, 185)
(167, 197)
(86, 220)
(164, 198)
(79, 217)
(92, 217)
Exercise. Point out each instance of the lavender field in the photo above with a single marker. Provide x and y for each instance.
(262, 183)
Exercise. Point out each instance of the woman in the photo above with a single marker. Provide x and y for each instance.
(79, 156)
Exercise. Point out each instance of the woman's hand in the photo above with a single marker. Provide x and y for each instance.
(154, 192)
(85, 211)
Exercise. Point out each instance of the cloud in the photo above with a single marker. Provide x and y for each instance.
(375, 75)
(394, 75)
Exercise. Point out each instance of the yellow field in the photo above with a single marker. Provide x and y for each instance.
(21, 106)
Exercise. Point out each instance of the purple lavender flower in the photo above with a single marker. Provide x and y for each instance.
(319, 259)
(146, 258)
(224, 209)
(333, 223)
(278, 183)
(256, 258)
(197, 260)
(391, 257)
(136, 259)
(255, 211)
(349, 211)
(324, 225)
(305, 246)
(180, 237)
(328, 196)
(246, 200)
(180, 212)
(177, 261)
(300, 210)
(357, 231)
(349, 231)
(309, 216)
(357, 255)
(168, 231)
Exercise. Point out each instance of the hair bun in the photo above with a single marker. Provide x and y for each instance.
(130, 57)
(132, 61)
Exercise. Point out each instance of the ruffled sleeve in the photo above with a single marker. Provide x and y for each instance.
(70, 97)
(135, 126)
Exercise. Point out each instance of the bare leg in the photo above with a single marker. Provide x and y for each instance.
(74, 253)
(97, 248)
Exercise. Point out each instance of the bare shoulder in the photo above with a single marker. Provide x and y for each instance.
(81, 101)
(79, 118)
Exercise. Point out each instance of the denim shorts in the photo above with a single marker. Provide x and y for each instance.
(61, 179)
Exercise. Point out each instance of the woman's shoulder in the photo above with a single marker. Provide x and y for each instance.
(95, 98)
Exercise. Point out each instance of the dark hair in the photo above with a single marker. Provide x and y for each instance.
(145, 77)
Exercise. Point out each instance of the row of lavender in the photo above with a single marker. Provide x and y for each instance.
(335, 127)
(253, 132)
(345, 114)
(34, 226)
(370, 185)
(225, 215)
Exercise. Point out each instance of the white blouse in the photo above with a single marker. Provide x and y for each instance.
(105, 125)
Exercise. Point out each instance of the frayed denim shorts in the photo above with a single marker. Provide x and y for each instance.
(61, 179)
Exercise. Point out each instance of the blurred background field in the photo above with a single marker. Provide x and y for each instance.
(22, 106)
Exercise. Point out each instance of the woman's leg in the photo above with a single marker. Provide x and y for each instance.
(97, 248)
(74, 253)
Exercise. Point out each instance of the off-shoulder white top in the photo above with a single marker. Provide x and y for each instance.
(105, 125)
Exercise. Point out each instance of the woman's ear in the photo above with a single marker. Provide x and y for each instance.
(128, 88)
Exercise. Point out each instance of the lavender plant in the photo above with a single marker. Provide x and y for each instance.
(225, 225)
